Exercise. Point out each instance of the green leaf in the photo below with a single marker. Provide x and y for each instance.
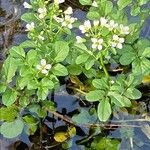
(96, 95)
(45, 82)
(29, 17)
(12, 129)
(32, 85)
(32, 57)
(133, 93)
(48, 105)
(42, 93)
(90, 73)
(123, 3)
(93, 15)
(84, 117)
(59, 70)
(8, 113)
(89, 63)
(28, 44)
(108, 7)
(119, 100)
(141, 66)
(142, 2)
(82, 58)
(17, 52)
(10, 68)
(104, 110)
(74, 69)
(100, 83)
(135, 10)
(127, 58)
(146, 52)
(85, 2)
(9, 97)
(81, 46)
(61, 50)
(105, 143)
(2, 88)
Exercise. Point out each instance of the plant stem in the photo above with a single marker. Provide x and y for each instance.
(103, 66)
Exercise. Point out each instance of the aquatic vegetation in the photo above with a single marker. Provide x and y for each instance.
(33, 69)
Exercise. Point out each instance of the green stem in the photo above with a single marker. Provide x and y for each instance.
(103, 66)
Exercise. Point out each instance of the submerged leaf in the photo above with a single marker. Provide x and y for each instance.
(11, 129)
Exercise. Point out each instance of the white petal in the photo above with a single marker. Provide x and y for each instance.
(39, 67)
(94, 40)
(103, 21)
(64, 23)
(48, 66)
(58, 19)
(70, 26)
(87, 24)
(44, 71)
(41, 37)
(113, 44)
(94, 4)
(69, 11)
(119, 45)
(96, 22)
(43, 62)
(94, 46)
(100, 47)
(79, 39)
(26, 5)
(115, 37)
(100, 41)
(121, 40)
(59, 1)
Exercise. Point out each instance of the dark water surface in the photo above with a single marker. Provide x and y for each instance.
(12, 33)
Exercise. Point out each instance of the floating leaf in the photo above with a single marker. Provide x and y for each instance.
(11, 129)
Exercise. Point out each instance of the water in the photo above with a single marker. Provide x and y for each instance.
(12, 33)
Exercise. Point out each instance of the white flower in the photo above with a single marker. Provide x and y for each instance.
(124, 29)
(68, 11)
(94, 4)
(112, 81)
(26, 5)
(96, 23)
(117, 42)
(42, 12)
(58, 19)
(103, 21)
(68, 21)
(44, 67)
(97, 43)
(112, 25)
(59, 1)
(30, 27)
(79, 39)
(86, 27)
(41, 37)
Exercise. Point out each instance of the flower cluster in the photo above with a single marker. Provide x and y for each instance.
(67, 20)
(42, 12)
(30, 27)
(44, 67)
(93, 30)
(117, 42)
(97, 43)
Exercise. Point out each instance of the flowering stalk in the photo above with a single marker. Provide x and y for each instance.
(103, 65)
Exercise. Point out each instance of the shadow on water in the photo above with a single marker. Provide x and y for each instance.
(12, 33)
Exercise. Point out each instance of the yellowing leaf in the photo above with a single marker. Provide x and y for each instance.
(146, 79)
(61, 136)
(71, 131)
